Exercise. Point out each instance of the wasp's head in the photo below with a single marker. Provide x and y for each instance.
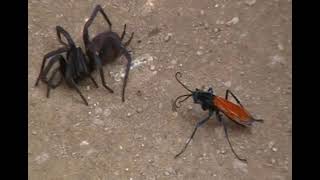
(204, 98)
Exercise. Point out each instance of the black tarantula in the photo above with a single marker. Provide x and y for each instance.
(72, 68)
(105, 47)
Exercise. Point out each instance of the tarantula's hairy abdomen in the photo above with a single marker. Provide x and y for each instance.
(105, 45)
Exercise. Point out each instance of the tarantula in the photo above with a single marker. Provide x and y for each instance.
(72, 68)
(106, 47)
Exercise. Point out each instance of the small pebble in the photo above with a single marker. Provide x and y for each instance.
(241, 73)
(174, 62)
(190, 107)
(34, 132)
(180, 65)
(168, 37)
(152, 67)
(89, 112)
(280, 46)
(142, 145)
(223, 151)
(120, 147)
(139, 110)
(131, 179)
(274, 149)
(199, 53)
(166, 173)
(89, 97)
(129, 114)
(216, 30)
(217, 5)
(250, 2)
(206, 26)
(202, 12)
(88, 88)
(273, 161)
(227, 84)
(139, 93)
(233, 21)
(270, 144)
(127, 169)
(84, 143)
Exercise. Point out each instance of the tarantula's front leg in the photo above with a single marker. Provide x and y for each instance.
(49, 81)
(128, 57)
(123, 34)
(97, 9)
(97, 62)
(46, 57)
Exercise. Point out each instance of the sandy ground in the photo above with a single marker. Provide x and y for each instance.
(243, 45)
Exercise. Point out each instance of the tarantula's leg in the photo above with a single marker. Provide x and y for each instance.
(71, 82)
(60, 31)
(128, 57)
(124, 32)
(97, 9)
(98, 64)
(50, 85)
(49, 55)
(128, 42)
(94, 82)
(46, 71)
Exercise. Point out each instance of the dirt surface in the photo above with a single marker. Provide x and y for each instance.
(242, 45)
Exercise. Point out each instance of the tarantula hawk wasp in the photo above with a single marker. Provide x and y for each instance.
(73, 68)
(106, 47)
(209, 101)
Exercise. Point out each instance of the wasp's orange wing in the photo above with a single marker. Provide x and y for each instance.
(233, 111)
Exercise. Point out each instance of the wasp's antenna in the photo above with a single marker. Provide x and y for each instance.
(181, 82)
(177, 104)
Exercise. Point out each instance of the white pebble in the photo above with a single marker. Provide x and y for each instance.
(180, 65)
(217, 5)
(142, 145)
(89, 112)
(127, 169)
(168, 37)
(270, 144)
(274, 149)
(199, 53)
(139, 110)
(84, 143)
(250, 2)
(202, 12)
(129, 114)
(233, 21)
(227, 84)
(280, 46)
(120, 147)
(152, 67)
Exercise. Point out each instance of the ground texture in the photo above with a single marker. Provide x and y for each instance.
(242, 45)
